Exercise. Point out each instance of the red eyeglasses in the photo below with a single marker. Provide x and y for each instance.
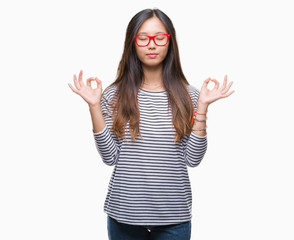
(159, 40)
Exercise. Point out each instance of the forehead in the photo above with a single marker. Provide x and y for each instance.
(152, 26)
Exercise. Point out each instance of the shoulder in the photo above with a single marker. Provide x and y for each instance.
(109, 93)
(194, 94)
(193, 91)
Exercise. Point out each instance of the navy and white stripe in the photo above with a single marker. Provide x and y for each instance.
(150, 183)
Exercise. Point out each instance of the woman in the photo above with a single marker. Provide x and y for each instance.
(151, 124)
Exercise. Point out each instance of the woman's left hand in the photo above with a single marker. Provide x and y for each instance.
(208, 96)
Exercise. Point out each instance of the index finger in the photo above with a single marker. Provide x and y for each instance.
(206, 81)
(89, 80)
(99, 82)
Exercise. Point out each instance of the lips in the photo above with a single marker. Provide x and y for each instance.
(152, 55)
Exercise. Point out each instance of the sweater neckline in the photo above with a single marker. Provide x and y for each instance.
(152, 92)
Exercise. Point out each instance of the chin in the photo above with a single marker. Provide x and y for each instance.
(152, 63)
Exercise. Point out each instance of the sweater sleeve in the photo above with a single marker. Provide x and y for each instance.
(195, 149)
(194, 146)
(106, 142)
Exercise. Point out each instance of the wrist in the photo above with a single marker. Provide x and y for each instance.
(94, 106)
(202, 107)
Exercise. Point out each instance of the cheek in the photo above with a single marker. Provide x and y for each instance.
(164, 52)
(140, 52)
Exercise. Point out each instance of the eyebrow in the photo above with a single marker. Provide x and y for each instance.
(147, 33)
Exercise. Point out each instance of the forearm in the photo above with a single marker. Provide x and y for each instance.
(98, 122)
(106, 143)
(199, 124)
(195, 150)
(107, 147)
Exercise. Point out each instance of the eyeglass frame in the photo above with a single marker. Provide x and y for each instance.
(152, 38)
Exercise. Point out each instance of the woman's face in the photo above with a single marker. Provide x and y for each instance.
(152, 55)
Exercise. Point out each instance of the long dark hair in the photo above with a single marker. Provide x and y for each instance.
(130, 75)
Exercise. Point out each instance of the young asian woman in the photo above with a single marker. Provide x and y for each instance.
(150, 124)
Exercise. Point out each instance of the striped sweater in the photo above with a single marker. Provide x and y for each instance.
(150, 183)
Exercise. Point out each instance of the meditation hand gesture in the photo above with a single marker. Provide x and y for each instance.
(208, 96)
(90, 95)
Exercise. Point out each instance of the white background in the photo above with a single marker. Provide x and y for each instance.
(53, 182)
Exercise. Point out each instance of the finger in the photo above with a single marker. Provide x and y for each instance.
(99, 83)
(81, 78)
(224, 83)
(72, 88)
(77, 85)
(216, 83)
(229, 93)
(89, 81)
(227, 88)
(205, 83)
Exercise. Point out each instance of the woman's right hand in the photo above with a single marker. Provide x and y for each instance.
(90, 95)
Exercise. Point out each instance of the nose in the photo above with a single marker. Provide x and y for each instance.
(152, 44)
